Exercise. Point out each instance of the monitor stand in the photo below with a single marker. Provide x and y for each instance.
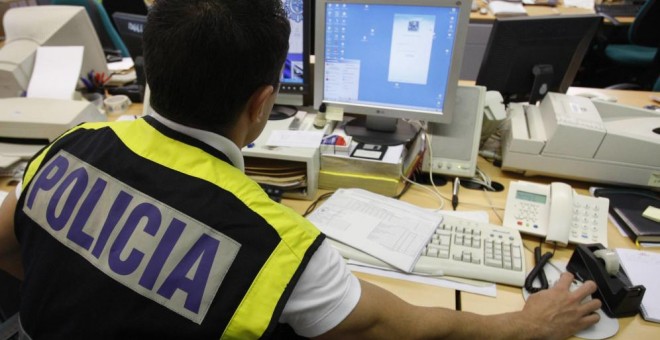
(543, 75)
(280, 112)
(381, 130)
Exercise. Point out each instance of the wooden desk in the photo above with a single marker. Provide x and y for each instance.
(534, 10)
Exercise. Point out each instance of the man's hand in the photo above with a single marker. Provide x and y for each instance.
(558, 313)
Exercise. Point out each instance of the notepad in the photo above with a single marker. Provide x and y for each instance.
(643, 268)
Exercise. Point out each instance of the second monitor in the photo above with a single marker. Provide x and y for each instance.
(528, 56)
(389, 60)
(295, 83)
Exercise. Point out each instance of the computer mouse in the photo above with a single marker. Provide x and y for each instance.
(605, 328)
(483, 10)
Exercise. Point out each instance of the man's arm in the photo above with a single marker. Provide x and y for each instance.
(10, 253)
(555, 313)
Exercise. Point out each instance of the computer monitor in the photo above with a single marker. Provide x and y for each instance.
(528, 56)
(28, 28)
(296, 83)
(130, 28)
(389, 60)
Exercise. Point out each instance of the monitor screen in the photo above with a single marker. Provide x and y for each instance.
(295, 84)
(528, 56)
(393, 59)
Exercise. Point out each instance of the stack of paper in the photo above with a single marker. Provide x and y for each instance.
(283, 174)
(642, 268)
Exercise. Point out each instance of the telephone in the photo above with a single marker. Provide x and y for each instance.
(557, 213)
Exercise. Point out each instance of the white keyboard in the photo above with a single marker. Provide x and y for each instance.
(464, 248)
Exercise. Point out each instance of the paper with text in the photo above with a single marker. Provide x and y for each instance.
(388, 229)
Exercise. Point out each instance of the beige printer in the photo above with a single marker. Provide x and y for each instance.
(576, 138)
(28, 124)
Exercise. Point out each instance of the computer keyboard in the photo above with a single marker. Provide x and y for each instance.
(625, 9)
(464, 248)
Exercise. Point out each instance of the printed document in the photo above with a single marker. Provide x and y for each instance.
(393, 231)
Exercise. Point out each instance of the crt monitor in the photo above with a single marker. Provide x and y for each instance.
(28, 28)
(391, 61)
(528, 56)
(295, 83)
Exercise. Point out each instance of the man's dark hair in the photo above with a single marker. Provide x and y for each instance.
(205, 58)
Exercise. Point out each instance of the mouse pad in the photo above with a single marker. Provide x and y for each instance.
(605, 328)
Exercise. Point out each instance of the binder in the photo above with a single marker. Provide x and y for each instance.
(626, 209)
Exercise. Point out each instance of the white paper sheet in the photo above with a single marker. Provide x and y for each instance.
(586, 4)
(480, 287)
(297, 138)
(56, 72)
(643, 268)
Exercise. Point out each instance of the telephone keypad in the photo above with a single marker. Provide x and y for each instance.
(527, 214)
(585, 222)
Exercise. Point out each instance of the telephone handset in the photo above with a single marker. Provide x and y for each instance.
(561, 209)
(557, 213)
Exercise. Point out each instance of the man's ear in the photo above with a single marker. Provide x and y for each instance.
(257, 102)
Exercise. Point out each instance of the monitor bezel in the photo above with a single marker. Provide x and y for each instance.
(297, 94)
(444, 116)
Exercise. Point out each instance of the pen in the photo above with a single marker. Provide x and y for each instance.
(454, 194)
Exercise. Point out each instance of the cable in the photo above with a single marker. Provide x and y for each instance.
(537, 271)
(492, 207)
(435, 192)
(316, 202)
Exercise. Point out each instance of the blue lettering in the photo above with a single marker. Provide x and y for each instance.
(141, 211)
(133, 238)
(203, 251)
(56, 169)
(78, 178)
(162, 252)
(76, 233)
(116, 212)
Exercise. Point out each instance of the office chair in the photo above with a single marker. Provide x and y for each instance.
(110, 40)
(640, 55)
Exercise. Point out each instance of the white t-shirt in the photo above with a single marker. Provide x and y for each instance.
(325, 294)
